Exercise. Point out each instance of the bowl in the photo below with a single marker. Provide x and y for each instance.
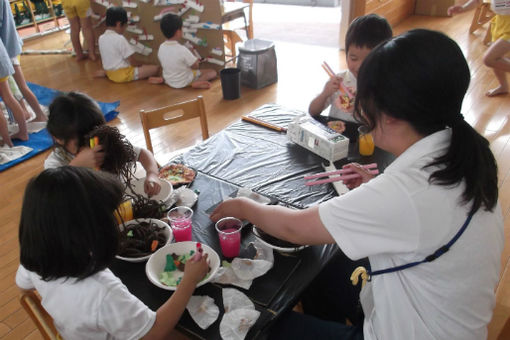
(164, 194)
(157, 261)
(167, 232)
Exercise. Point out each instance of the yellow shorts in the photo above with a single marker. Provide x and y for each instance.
(76, 8)
(500, 27)
(123, 75)
(3, 79)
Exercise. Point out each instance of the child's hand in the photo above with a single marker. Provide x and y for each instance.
(332, 86)
(90, 158)
(452, 10)
(151, 185)
(358, 169)
(196, 270)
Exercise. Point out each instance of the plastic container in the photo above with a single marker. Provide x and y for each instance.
(257, 61)
(231, 83)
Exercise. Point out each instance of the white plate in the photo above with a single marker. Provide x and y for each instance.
(157, 262)
(164, 194)
(280, 249)
(168, 234)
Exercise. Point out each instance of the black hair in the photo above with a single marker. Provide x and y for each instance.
(170, 24)
(421, 77)
(367, 31)
(116, 14)
(67, 227)
(73, 115)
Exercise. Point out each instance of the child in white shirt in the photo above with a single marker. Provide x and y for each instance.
(117, 55)
(180, 66)
(68, 237)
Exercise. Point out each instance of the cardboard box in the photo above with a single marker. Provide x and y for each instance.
(436, 8)
(318, 138)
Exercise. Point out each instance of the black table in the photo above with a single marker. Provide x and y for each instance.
(247, 155)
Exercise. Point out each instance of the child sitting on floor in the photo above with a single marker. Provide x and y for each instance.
(500, 31)
(73, 116)
(117, 55)
(363, 35)
(68, 237)
(180, 66)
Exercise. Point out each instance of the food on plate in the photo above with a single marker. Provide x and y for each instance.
(337, 125)
(177, 174)
(141, 239)
(174, 268)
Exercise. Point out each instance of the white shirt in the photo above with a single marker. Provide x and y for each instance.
(115, 50)
(60, 157)
(176, 61)
(98, 307)
(501, 7)
(398, 218)
(336, 110)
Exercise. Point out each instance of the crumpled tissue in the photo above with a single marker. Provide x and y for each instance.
(240, 315)
(203, 310)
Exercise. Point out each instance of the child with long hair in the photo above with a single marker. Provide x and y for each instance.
(68, 237)
(72, 121)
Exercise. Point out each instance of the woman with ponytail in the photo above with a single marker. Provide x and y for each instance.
(430, 225)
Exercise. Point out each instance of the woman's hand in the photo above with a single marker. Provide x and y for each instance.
(89, 157)
(196, 270)
(357, 169)
(151, 185)
(229, 208)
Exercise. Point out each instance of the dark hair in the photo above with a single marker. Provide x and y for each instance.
(170, 24)
(114, 15)
(67, 226)
(421, 77)
(367, 31)
(73, 115)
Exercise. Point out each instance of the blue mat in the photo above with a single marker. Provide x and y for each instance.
(41, 140)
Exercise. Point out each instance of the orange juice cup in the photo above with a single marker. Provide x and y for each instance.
(366, 142)
(124, 212)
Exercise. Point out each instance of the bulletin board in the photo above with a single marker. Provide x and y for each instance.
(202, 32)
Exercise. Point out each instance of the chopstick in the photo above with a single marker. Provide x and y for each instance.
(263, 123)
(338, 178)
(331, 74)
(340, 172)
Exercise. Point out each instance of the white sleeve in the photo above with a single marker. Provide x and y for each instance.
(137, 152)
(23, 279)
(376, 218)
(123, 315)
(189, 58)
(125, 48)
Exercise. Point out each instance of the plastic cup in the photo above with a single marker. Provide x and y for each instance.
(180, 221)
(229, 232)
(366, 142)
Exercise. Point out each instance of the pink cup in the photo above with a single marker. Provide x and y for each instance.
(180, 221)
(229, 232)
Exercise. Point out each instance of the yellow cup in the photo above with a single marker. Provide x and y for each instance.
(124, 212)
(366, 142)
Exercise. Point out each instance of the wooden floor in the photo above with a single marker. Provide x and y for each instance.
(300, 79)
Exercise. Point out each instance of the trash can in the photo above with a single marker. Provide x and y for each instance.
(231, 83)
(257, 61)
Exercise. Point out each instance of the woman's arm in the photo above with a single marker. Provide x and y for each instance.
(296, 226)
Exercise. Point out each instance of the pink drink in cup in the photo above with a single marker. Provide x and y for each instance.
(180, 221)
(229, 232)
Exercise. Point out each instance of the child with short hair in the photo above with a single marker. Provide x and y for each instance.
(500, 31)
(180, 66)
(78, 14)
(73, 116)
(68, 237)
(364, 33)
(117, 55)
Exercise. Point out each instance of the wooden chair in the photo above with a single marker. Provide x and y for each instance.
(483, 14)
(31, 302)
(173, 114)
(231, 37)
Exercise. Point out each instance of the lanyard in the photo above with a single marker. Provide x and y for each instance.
(429, 258)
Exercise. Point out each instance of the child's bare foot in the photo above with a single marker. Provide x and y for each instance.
(43, 118)
(155, 80)
(203, 84)
(20, 136)
(8, 142)
(92, 57)
(500, 90)
(99, 74)
(81, 57)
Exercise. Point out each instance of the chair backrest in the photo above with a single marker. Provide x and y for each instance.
(173, 114)
(249, 28)
(44, 322)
